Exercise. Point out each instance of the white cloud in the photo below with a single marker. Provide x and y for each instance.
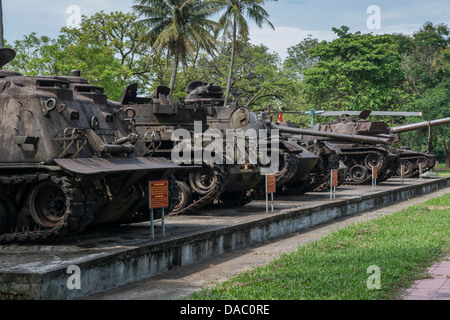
(280, 39)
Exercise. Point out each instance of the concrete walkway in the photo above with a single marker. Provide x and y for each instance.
(436, 288)
(183, 281)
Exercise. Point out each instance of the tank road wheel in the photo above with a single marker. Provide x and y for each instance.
(7, 214)
(203, 180)
(47, 204)
(185, 196)
(374, 160)
(424, 162)
(408, 168)
(358, 173)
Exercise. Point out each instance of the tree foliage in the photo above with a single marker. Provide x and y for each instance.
(179, 26)
(426, 66)
(234, 19)
(103, 49)
(355, 72)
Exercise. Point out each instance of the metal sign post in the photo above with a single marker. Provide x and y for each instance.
(437, 169)
(158, 199)
(271, 187)
(333, 183)
(402, 173)
(374, 178)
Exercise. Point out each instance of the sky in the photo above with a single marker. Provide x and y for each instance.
(294, 20)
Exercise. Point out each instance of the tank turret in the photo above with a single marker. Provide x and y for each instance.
(70, 158)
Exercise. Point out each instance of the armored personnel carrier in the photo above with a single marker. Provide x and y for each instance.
(70, 158)
(361, 157)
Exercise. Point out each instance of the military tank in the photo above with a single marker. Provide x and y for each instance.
(242, 118)
(70, 158)
(159, 117)
(304, 165)
(296, 161)
(413, 159)
(361, 157)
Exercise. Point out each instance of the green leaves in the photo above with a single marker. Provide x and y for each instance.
(179, 26)
(355, 72)
(103, 49)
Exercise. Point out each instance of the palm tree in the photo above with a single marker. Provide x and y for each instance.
(234, 18)
(180, 26)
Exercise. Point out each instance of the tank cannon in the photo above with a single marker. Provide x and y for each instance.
(419, 125)
(70, 158)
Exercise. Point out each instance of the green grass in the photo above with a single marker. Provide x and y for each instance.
(402, 245)
(443, 171)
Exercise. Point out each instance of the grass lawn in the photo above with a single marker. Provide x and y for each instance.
(402, 246)
(443, 171)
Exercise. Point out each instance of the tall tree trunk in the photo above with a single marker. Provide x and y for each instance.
(230, 73)
(174, 72)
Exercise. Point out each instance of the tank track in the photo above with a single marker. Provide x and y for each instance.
(288, 171)
(284, 175)
(221, 175)
(349, 181)
(415, 171)
(79, 211)
(319, 182)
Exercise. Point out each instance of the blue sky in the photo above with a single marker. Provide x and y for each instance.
(294, 20)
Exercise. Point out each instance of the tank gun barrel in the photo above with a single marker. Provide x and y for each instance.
(242, 118)
(333, 135)
(419, 125)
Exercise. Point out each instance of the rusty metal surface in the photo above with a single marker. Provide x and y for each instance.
(64, 142)
(91, 166)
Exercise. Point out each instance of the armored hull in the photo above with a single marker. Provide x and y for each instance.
(157, 120)
(70, 159)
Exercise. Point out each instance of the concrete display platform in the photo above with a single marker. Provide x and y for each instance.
(110, 258)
